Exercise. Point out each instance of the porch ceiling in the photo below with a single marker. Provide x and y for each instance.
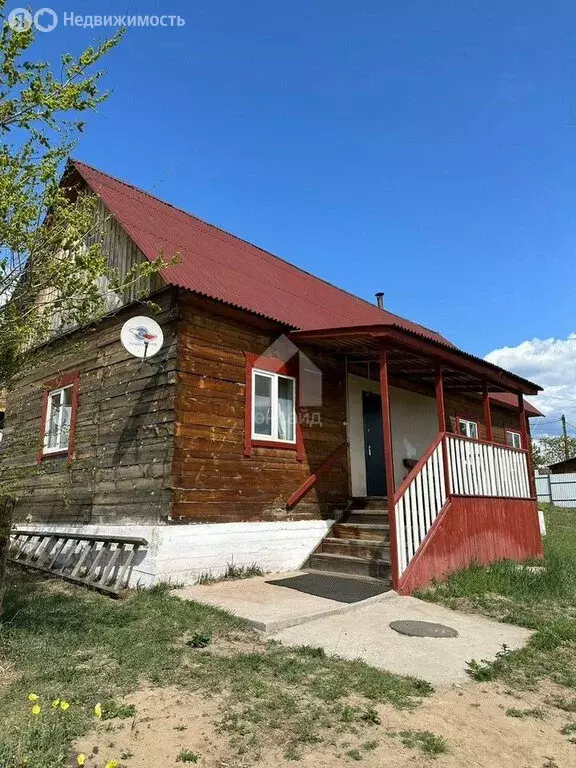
(413, 359)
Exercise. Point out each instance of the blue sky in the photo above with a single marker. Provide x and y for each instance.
(425, 149)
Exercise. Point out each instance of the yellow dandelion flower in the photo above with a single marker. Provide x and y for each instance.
(32, 697)
(64, 705)
(98, 710)
(36, 709)
(56, 703)
(112, 764)
(81, 758)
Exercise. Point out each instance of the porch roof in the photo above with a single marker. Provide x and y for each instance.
(415, 358)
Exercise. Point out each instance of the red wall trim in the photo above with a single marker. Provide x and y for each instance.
(272, 365)
(64, 380)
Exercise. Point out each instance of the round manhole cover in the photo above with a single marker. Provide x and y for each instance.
(422, 629)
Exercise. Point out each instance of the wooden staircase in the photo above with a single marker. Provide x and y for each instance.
(358, 544)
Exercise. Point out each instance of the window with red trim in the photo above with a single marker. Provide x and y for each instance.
(271, 405)
(59, 416)
(513, 439)
(467, 428)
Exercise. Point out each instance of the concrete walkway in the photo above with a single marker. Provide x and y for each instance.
(361, 630)
(365, 634)
(268, 607)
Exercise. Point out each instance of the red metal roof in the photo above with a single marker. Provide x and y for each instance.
(222, 266)
(511, 400)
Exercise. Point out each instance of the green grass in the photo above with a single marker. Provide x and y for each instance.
(426, 741)
(538, 714)
(63, 642)
(543, 600)
(232, 573)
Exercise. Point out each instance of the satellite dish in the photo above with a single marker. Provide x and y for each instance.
(142, 337)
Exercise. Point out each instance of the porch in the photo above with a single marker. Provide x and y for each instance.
(431, 491)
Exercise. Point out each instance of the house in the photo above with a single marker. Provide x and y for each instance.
(284, 422)
(563, 467)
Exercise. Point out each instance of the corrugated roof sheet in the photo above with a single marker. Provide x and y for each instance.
(511, 400)
(222, 266)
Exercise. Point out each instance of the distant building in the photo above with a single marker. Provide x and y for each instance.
(562, 467)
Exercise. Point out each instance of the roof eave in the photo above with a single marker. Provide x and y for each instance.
(443, 353)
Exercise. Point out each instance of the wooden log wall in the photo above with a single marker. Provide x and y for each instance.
(213, 480)
(120, 471)
(472, 408)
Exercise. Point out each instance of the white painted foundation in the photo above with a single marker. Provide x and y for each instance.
(180, 554)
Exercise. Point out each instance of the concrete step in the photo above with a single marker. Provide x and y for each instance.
(369, 502)
(346, 564)
(371, 516)
(367, 531)
(365, 549)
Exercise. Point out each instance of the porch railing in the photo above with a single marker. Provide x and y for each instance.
(419, 501)
(454, 466)
(487, 469)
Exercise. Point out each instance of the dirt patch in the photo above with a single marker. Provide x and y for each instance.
(8, 674)
(484, 726)
(168, 723)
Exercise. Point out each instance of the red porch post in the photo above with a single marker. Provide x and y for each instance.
(487, 414)
(523, 430)
(441, 411)
(525, 445)
(388, 462)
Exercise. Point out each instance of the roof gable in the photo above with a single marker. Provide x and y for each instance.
(224, 267)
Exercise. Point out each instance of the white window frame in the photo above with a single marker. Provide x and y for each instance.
(274, 378)
(515, 434)
(57, 448)
(467, 423)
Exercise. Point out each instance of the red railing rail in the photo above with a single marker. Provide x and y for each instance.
(311, 481)
(416, 469)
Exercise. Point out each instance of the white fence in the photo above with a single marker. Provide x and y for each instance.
(557, 489)
(486, 469)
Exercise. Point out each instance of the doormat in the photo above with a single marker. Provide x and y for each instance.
(333, 587)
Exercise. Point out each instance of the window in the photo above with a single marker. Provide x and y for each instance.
(513, 439)
(58, 419)
(274, 407)
(467, 428)
(59, 415)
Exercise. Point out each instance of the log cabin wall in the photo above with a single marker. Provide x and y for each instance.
(120, 469)
(472, 408)
(213, 480)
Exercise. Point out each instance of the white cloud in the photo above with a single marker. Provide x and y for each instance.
(551, 363)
